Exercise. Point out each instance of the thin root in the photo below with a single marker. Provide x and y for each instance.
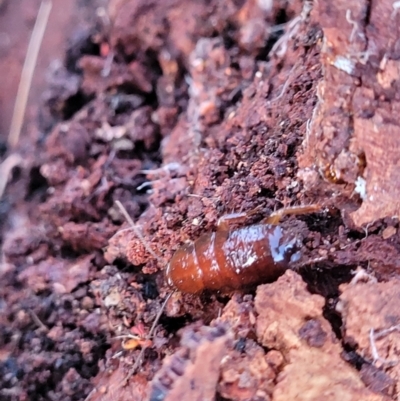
(136, 230)
(284, 87)
(374, 351)
(355, 29)
(148, 337)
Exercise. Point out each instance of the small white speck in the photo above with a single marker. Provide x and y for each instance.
(344, 64)
(361, 187)
(250, 260)
(266, 5)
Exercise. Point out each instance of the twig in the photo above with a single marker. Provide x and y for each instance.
(27, 72)
(285, 85)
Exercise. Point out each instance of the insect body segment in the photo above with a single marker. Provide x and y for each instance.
(229, 260)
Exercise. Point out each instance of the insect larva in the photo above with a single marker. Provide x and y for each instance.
(236, 259)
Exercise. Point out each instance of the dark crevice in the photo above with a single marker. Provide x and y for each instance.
(173, 324)
(368, 13)
(74, 104)
(324, 278)
(324, 223)
(37, 185)
(351, 356)
(80, 44)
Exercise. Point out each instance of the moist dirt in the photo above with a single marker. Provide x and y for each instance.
(185, 111)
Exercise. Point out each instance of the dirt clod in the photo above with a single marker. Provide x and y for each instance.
(185, 111)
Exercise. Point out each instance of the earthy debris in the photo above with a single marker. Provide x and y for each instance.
(193, 370)
(185, 111)
(371, 324)
(110, 386)
(57, 275)
(290, 321)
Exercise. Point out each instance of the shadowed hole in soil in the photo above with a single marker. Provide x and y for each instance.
(37, 185)
(234, 97)
(324, 279)
(227, 36)
(80, 44)
(142, 153)
(5, 208)
(323, 222)
(73, 104)
(277, 30)
(149, 289)
(152, 62)
(66, 252)
(267, 193)
(172, 324)
(263, 53)
(3, 147)
(124, 267)
(333, 317)
(361, 234)
(148, 281)
(221, 298)
(326, 282)
(351, 356)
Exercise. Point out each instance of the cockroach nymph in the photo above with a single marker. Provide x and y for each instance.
(234, 259)
(228, 260)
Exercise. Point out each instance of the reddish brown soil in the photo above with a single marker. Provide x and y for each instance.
(17, 19)
(186, 111)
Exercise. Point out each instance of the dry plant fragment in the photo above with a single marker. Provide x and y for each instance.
(27, 71)
(136, 230)
(147, 339)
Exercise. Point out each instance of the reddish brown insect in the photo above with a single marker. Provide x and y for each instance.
(228, 260)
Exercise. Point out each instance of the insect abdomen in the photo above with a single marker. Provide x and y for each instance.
(231, 260)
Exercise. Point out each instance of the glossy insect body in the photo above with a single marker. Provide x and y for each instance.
(233, 259)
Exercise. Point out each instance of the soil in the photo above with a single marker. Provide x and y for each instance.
(185, 111)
